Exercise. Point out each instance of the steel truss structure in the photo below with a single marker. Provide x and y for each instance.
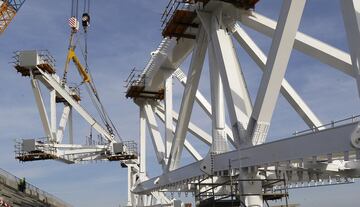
(39, 66)
(326, 154)
(256, 171)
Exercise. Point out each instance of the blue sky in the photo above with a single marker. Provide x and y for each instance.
(123, 33)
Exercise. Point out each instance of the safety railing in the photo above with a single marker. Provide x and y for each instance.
(47, 58)
(44, 56)
(171, 8)
(131, 147)
(134, 79)
(14, 182)
(42, 144)
(332, 124)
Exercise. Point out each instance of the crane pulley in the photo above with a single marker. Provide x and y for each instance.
(85, 21)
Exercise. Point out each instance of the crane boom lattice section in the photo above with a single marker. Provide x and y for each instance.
(8, 10)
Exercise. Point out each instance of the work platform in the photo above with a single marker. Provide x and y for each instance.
(124, 151)
(38, 60)
(178, 18)
(208, 192)
(34, 150)
(135, 88)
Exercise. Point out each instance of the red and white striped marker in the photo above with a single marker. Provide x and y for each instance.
(74, 23)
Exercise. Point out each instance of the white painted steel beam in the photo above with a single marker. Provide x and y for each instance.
(53, 112)
(187, 102)
(193, 129)
(196, 155)
(275, 69)
(41, 107)
(130, 201)
(50, 80)
(334, 141)
(77, 146)
(62, 125)
(237, 97)
(200, 99)
(193, 152)
(155, 135)
(204, 104)
(286, 90)
(168, 115)
(78, 151)
(142, 135)
(351, 17)
(168, 56)
(71, 126)
(310, 46)
(220, 143)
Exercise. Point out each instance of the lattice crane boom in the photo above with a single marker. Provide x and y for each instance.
(8, 10)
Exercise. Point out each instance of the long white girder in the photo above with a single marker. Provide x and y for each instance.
(334, 142)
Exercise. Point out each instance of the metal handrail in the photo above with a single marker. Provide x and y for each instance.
(134, 78)
(32, 190)
(171, 8)
(329, 125)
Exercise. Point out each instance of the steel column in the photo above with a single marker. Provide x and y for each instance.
(168, 115)
(204, 104)
(275, 69)
(220, 143)
(237, 97)
(155, 134)
(62, 125)
(71, 126)
(187, 102)
(41, 107)
(351, 17)
(53, 113)
(142, 156)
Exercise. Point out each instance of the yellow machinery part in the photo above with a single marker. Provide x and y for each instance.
(72, 56)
